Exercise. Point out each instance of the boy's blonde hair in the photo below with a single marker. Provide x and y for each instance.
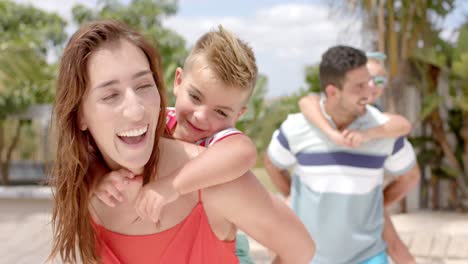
(230, 59)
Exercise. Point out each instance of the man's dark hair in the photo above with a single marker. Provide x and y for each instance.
(336, 62)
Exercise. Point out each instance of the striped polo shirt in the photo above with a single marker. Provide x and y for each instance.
(337, 191)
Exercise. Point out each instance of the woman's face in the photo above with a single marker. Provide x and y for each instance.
(121, 105)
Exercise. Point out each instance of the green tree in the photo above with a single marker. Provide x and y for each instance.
(250, 123)
(401, 27)
(27, 36)
(272, 112)
(145, 16)
(312, 79)
(451, 60)
(409, 33)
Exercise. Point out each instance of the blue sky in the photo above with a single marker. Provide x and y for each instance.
(286, 35)
(229, 8)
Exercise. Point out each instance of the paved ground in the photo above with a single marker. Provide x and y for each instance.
(24, 231)
(434, 238)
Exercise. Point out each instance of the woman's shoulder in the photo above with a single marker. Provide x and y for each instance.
(232, 197)
(226, 205)
(170, 145)
(176, 153)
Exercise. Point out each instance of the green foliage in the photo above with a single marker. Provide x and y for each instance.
(446, 172)
(431, 154)
(263, 117)
(312, 79)
(27, 35)
(431, 55)
(459, 73)
(460, 67)
(430, 104)
(29, 143)
(25, 79)
(26, 26)
(409, 33)
(146, 17)
(250, 123)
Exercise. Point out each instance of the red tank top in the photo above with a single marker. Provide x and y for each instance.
(190, 242)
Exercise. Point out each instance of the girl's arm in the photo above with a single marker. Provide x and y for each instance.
(245, 203)
(310, 108)
(396, 126)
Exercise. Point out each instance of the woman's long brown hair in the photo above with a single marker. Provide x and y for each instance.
(72, 229)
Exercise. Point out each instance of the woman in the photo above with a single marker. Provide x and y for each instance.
(110, 106)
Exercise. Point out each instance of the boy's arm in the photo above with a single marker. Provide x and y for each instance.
(396, 126)
(222, 162)
(310, 108)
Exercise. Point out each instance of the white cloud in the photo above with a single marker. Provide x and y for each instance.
(63, 8)
(285, 38)
(450, 35)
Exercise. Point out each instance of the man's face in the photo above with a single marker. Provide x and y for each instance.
(378, 80)
(355, 93)
(204, 105)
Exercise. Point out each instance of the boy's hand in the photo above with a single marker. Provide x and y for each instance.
(355, 138)
(109, 189)
(153, 197)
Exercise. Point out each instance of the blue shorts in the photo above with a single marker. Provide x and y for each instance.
(243, 249)
(379, 259)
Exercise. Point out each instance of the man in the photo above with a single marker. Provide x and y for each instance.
(336, 190)
(396, 126)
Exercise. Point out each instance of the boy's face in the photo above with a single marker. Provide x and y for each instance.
(204, 105)
(378, 80)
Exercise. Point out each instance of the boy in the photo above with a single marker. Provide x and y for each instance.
(395, 127)
(211, 91)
